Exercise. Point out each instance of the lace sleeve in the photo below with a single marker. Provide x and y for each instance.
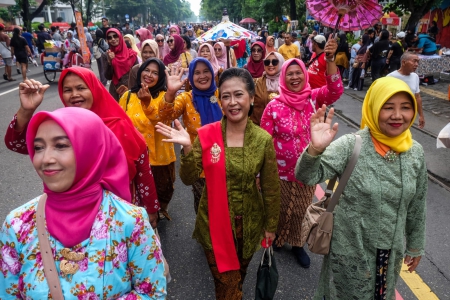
(14, 140)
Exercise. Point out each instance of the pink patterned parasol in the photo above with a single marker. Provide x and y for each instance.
(346, 15)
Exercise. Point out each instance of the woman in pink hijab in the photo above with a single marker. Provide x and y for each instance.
(162, 46)
(287, 119)
(143, 34)
(207, 51)
(84, 215)
(174, 29)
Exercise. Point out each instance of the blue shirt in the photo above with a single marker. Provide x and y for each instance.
(354, 50)
(426, 43)
(29, 38)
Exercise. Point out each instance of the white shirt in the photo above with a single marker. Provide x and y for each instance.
(412, 80)
(297, 43)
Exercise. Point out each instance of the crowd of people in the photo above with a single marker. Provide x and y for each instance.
(256, 140)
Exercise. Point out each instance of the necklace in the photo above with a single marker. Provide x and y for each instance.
(69, 265)
(390, 156)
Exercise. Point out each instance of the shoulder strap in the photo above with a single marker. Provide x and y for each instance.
(128, 100)
(345, 176)
(315, 58)
(50, 271)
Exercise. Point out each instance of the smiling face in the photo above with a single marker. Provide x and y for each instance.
(217, 50)
(54, 157)
(150, 75)
(295, 79)
(257, 53)
(202, 76)
(271, 42)
(205, 53)
(396, 115)
(271, 70)
(113, 39)
(171, 43)
(76, 93)
(235, 100)
(147, 53)
(172, 31)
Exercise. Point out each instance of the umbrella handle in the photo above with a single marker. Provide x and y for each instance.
(341, 13)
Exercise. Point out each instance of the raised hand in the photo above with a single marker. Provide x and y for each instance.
(330, 47)
(322, 133)
(121, 90)
(31, 94)
(174, 82)
(144, 94)
(176, 135)
(110, 55)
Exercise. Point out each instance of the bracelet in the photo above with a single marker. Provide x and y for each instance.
(329, 60)
(311, 145)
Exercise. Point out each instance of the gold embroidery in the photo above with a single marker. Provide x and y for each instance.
(215, 153)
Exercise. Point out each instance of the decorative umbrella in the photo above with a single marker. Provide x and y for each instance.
(247, 21)
(226, 30)
(346, 15)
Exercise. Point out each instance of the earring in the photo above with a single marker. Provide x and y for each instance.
(251, 104)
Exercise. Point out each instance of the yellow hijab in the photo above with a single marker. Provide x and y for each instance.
(133, 44)
(380, 92)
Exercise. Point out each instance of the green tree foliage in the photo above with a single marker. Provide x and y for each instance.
(417, 9)
(23, 9)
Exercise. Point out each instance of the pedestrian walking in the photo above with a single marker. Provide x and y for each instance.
(85, 182)
(255, 64)
(362, 57)
(100, 48)
(20, 49)
(233, 215)
(5, 53)
(384, 202)
(119, 61)
(378, 55)
(287, 120)
(149, 49)
(395, 52)
(355, 48)
(267, 86)
(342, 55)
(142, 105)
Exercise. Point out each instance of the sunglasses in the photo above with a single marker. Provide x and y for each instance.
(274, 62)
(169, 41)
(110, 37)
(217, 49)
(256, 50)
(159, 41)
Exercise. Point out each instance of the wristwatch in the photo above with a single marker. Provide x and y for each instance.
(329, 60)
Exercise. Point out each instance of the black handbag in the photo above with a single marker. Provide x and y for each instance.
(267, 276)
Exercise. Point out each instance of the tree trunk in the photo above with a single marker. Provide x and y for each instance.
(25, 13)
(293, 10)
(88, 11)
(417, 14)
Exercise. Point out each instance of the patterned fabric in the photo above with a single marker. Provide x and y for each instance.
(433, 64)
(143, 191)
(164, 180)
(295, 199)
(290, 128)
(382, 265)
(228, 285)
(183, 106)
(197, 190)
(145, 119)
(394, 194)
(123, 256)
(262, 98)
(260, 211)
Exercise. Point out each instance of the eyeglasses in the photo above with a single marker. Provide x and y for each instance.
(110, 37)
(159, 41)
(256, 50)
(217, 49)
(169, 41)
(173, 31)
(274, 62)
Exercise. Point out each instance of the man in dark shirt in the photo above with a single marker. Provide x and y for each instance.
(42, 36)
(105, 24)
(127, 29)
(395, 53)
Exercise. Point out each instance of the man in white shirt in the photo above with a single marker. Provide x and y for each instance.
(353, 52)
(409, 63)
(296, 42)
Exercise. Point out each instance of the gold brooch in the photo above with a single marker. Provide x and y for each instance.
(272, 95)
(213, 99)
(215, 153)
(69, 265)
(390, 156)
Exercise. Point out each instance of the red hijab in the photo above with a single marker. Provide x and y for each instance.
(124, 58)
(296, 100)
(242, 47)
(256, 68)
(100, 164)
(112, 115)
(177, 50)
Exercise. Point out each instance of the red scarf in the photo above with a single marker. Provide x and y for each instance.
(177, 50)
(256, 68)
(213, 159)
(124, 58)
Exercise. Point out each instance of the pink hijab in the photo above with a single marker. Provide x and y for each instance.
(214, 63)
(101, 164)
(222, 60)
(256, 68)
(144, 34)
(296, 100)
(177, 50)
(176, 28)
(164, 49)
(273, 82)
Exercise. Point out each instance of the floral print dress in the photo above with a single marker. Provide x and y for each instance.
(123, 258)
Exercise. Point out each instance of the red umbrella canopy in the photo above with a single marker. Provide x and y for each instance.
(356, 14)
(247, 20)
(62, 25)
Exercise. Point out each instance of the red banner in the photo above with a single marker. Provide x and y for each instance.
(82, 38)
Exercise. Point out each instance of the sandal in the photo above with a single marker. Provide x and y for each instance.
(11, 79)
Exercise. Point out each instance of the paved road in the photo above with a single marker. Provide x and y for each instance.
(190, 273)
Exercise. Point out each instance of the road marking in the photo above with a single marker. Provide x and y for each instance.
(434, 93)
(420, 289)
(4, 93)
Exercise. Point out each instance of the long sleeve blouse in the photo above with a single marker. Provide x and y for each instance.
(259, 211)
(144, 184)
(290, 128)
(382, 204)
(123, 257)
